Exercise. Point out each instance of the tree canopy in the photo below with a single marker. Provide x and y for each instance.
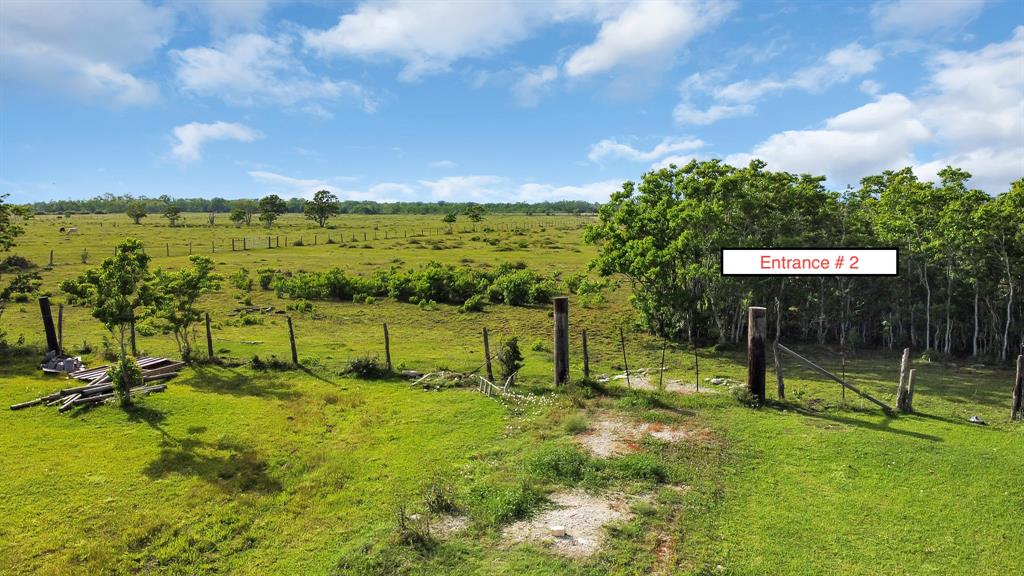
(322, 207)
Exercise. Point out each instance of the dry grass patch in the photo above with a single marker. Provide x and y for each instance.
(610, 436)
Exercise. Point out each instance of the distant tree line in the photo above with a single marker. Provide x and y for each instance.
(959, 291)
(109, 203)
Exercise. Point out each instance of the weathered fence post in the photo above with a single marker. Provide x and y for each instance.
(51, 334)
(778, 372)
(1016, 408)
(51, 257)
(268, 242)
(209, 338)
(625, 362)
(387, 348)
(901, 390)
(908, 400)
(232, 244)
(586, 357)
(291, 340)
(487, 357)
(213, 246)
(756, 328)
(60, 329)
(190, 248)
(167, 249)
(245, 243)
(561, 340)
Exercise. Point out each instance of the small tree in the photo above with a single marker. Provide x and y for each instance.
(9, 228)
(115, 290)
(270, 208)
(172, 213)
(449, 218)
(510, 358)
(173, 295)
(136, 211)
(322, 207)
(475, 213)
(239, 217)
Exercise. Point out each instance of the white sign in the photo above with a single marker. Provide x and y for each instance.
(810, 262)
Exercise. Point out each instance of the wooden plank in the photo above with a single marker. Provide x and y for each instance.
(824, 372)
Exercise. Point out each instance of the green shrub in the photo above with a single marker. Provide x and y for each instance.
(439, 497)
(575, 424)
(639, 466)
(240, 279)
(266, 277)
(125, 375)
(474, 303)
(493, 505)
(538, 345)
(366, 367)
(560, 463)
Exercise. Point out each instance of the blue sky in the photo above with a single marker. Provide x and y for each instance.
(496, 101)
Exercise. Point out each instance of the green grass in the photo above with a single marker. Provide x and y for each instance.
(301, 471)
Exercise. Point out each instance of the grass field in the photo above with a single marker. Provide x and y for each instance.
(239, 471)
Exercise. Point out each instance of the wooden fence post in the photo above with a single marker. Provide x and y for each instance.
(232, 244)
(209, 338)
(190, 248)
(213, 246)
(908, 403)
(387, 348)
(901, 390)
(1017, 409)
(625, 362)
(778, 372)
(561, 351)
(291, 340)
(167, 249)
(756, 328)
(487, 357)
(60, 329)
(586, 357)
(51, 257)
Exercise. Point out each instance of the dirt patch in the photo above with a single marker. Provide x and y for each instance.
(611, 436)
(649, 381)
(445, 526)
(581, 515)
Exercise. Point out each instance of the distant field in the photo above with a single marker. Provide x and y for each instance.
(301, 472)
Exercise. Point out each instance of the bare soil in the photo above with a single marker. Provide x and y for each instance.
(582, 515)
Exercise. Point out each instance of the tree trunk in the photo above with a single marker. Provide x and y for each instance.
(1009, 308)
(974, 340)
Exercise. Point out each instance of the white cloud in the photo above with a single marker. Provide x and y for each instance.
(913, 17)
(971, 111)
(593, 192)
(193, 135)
(610, 148)
(463, 188)
(645, 33)
(737, 98)
(870, 87)
(443, 164)
(532, 82)
(251, 68)
(427, 36)
(74, 47)
(228, 16)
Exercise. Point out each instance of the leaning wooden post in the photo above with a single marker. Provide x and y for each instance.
(625, 362)
(778, 372)
(1016, 408)
(209, 338)
(586, 357)
(291, 340)
(60, 329)
(561, 340)
(51, 257)
(487, 357)
(387, 348)
(901, 389)
(756, 328)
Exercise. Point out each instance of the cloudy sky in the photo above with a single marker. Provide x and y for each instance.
(496, 101)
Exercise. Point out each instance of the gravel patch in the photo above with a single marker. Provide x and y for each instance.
(609, 436)
(582, 516)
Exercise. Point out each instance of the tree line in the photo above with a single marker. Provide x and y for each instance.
(120, 204)
(961, 254)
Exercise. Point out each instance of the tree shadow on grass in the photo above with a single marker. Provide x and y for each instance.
(223, 380)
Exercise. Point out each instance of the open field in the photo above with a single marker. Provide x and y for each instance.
(239, 471)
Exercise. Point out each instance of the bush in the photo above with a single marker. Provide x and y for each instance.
(743, 395)
(240, 279)
(510, 358)
(474, 303)
(272, 363)
(560, 463)
(495, 505)
(538, 345)
(366, 367)
(266, 277)
(125, 375)
(15, 262)
(639, 466)
(22, 286)
(439, 497)
(575, 424)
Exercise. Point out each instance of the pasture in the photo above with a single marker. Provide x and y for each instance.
(236, 470)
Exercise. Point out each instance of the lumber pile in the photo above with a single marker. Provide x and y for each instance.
(98, 387)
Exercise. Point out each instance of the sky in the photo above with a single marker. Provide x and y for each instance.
(496, 101)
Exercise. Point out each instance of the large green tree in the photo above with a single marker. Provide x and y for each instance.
(270, 208)
(173, 297)
(10, 228)
(320, 209)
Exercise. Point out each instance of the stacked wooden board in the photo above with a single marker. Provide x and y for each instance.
(99, 388)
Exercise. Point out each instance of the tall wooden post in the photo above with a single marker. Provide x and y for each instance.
(190, 248)
(1016, 408)
(901, 390)
(213, 246)
(291, 340)
(135, 349)
(625, 362)
(387, 348)
(232, 244)
(586, 357)
(51, 257)
(167, 249)
(60, 329)
(756, 328)
(561, 348)
(51, 334)
(209, 338)
(487, 357)
(908, 403)
(778, 371)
